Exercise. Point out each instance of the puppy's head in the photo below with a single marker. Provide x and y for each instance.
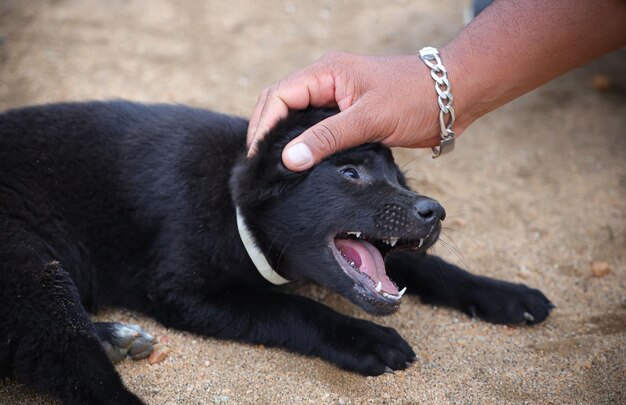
(334, 223)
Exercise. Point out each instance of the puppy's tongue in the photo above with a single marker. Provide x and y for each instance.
(368, 260)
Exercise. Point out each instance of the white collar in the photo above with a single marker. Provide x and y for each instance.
(257, 257)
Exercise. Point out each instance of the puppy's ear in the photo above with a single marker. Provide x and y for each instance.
(264, 176)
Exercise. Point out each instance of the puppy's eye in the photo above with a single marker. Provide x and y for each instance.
(350, 172)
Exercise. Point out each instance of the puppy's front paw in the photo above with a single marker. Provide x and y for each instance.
(507, 303)
(368, 348)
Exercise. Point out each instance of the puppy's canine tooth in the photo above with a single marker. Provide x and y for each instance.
(393, 241)
(402, 291)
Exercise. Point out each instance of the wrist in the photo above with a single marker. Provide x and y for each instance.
(466, 106)
(439, 73)
(425, 99)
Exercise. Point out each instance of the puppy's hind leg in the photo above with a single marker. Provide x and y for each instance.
(46, 337)
(120, 340)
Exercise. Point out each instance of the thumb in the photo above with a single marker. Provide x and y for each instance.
(339, 132)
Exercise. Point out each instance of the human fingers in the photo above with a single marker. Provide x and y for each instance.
(312, 86)
(292, 92)
(315, 85)
(339, 132)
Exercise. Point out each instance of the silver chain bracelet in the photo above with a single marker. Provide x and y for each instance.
(444, 99)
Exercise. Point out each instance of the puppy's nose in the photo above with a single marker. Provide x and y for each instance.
(429, 210)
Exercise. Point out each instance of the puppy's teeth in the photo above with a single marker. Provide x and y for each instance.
(393, 242)
(421, 243)
(358, 234)
(393, 297)
(379, 286)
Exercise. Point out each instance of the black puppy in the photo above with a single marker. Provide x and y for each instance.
(156, 209)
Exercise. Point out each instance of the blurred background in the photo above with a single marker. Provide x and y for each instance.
(536, 193)
(217, 54)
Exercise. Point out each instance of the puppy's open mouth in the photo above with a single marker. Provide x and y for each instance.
(362, 258)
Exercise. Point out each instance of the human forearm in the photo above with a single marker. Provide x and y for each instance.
(513, 47)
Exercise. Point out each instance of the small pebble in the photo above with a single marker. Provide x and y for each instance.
(523, 272)
(601, 82)
(460, 222)
(158, 354)
(218, 399)
(600, 269)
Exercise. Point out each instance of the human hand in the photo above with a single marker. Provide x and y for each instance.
(391, 99)
(388, 99)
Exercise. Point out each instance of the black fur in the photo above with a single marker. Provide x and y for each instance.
(132, 206)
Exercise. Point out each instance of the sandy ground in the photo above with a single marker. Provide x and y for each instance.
(535, 193)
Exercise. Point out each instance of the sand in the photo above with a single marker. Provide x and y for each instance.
(535, 193)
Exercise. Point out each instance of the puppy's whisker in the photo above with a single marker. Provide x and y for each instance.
(409, 162)
(460, 232)
(454, 250)
(274, 240)
(280, 256)
(450, 250)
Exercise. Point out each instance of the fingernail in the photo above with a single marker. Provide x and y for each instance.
(299, 154)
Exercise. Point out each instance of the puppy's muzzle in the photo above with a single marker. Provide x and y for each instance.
(409, 216)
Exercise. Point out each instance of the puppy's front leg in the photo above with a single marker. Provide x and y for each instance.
(291, 322)
(437, 282)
